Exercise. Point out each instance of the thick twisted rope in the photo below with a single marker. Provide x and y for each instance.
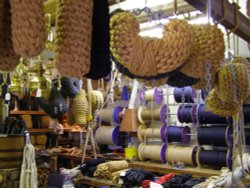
(28, 27)
(145, 57)
(73, 40)
(8, 58)
(208, 48)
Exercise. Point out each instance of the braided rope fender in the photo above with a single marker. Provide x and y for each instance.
(145, 56)
(28, 27)
(73, 37)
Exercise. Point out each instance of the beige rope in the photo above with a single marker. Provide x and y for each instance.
(145, 56)
(8, 58)
(28, 27)
(152, 152)
(208, 47)
(73, 37)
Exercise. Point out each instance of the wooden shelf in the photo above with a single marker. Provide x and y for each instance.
(95, 182)
(27, 113)
(42, 130)
(195, 171)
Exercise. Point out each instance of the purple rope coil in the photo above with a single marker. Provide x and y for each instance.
(215, 136)
(188, 93)
(178, 134)
(185, 114)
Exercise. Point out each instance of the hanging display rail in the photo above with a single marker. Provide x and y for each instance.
(227, 14)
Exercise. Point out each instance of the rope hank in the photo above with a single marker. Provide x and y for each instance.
(28, 177)
(78, 109)
(8, 58)
(28, 27)
(70, 87)
(208, 47)
(73, 40)
(146, 57)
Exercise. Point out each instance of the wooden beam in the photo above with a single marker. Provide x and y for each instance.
(231, 12)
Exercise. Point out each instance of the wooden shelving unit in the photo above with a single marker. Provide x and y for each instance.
(27, 113)
(96, 182)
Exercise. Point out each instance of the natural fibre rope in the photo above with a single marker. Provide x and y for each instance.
(28, 27)
(8, 58)
(233, 79)
(152, 152)
(28, 177)
(145, 56)
(208, 48)
(79, 109)
(73, 40)
(104, 135)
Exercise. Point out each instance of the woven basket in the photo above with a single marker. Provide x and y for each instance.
(73, 37)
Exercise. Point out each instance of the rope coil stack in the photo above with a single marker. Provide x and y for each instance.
(152, 152)
(28, 27)
(181, 154)
(78, 106)
(107, 135)
(145, 133)
(160, 56)
(146, 114)
(8, 57)
(74, 35)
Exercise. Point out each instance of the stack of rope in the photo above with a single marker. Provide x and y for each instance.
(107, 170)
(73, 41)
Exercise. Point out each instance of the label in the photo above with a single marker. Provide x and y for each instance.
(131, 153)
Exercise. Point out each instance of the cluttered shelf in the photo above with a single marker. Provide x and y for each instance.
(18, 112)
(195, 171)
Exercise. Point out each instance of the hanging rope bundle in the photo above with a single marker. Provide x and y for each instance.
(152, 152)
(8, 58)
(216, 106)
(215, 136)
(78, 106)
(107, 135)
(110, 115)
(208, 48)
(105, 170)
(97, 99)
(145, 133)
(181, 154)
(73, 41)
(28, 27)
(155, 94)
(233, 82)
(178, 134)
(158, 114)
(28, 177)
(159, 56)
(178, 79)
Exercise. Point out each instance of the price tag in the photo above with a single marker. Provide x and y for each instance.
(38, 93)
(7, 96)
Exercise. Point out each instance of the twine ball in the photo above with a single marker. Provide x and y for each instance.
(145, 57)
(230, 89)
(55, 107)
(216, 106)
(8, 57)
(178, 79)
(79, 108)
(28, 27)
(73, 37)
(208, 48)
(70, 87)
